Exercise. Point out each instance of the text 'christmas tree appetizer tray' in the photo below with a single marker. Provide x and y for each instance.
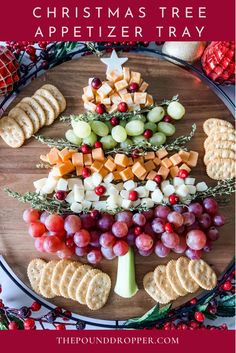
(136, 164)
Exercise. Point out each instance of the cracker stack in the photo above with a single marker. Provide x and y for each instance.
(71, 280)
(178, 278)
(220, 149)
(31, 114)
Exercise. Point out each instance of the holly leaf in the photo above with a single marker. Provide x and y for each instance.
(3, 326)
(153, 315)
(228, 300)
(202, 307)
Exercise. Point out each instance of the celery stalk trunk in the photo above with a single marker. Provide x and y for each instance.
(126, 286)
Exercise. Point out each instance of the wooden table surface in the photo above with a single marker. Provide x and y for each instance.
(18, 171)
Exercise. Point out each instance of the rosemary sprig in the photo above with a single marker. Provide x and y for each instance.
(222, 188)
(59, 143)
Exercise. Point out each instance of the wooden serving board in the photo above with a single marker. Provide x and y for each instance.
(18, 171)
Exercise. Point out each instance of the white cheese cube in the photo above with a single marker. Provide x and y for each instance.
(121, 85)
(106, 101)
(62, 184)
(116, 199)
(137, 203)
(115, 98)
(126, 74)
(143, 86)
(75, 181)
(189, 181)
(151, 185)
(182, 190)
(142, 192)
(123, 92)
(96, 179)
(108, 178)
(127, 98)
(124, 194)
(192, 189)
(157, 196)
(78, 193)
(126, 204)
(49, 186)
(168, 190)
(86, 204)
(90, 106)
(201, 186)
(88, 92)
(130, 185)
(113, 108)
(91, 196)
(114, 75)
(164, 184)
(112, 190)
(147, 202)
(99, 205)
(70, 197)
(76, 207)
(88, 183)
(135, 77)
(178, 181)
(38, 184)
(104, 90)
(120, 186)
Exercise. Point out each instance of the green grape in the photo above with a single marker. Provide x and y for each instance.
(134, 128)
(108, 124)
(176, 110)
(156, 114)
(157, 139)
(123, 122)
(119, 133)
(167, 128)
(139, 140)
(108, 142)
(100, 128)
(81, 128)
(151, 126)
(138, 117)
(71, 137)
(126, 143)
(91, 139)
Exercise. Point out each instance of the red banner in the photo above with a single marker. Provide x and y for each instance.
(89, 20)
(131, 341)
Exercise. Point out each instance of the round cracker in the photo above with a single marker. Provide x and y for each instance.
(66, 278)
(31, 114)
(228, 145)
(98, 291)
(50, 98)
(57, 275)
(82, 288)
(23, 120)
(46, 280)
(174, 279)
(48, 110)
(218, 153)
(221, 169)
(76, 279)
(184, 276)
(203, 274)
(37, 109)
(11, 132)
(163, 283)
(58, 95)
(212, 123)
(34, 272)
(151, 288)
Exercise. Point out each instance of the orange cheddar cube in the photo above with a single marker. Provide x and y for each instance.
(111, 158)
(135, 77)
(184, 166)
(149, 165)
(78, 159)
(121, 85)
(131, 162)
(88, 159)
(121, 160)
(143, 86)
(64, 168)
(193, 158)
(53, 156)
(126, 74)
(65, 154)
(143, 177)
(149, 100)
(79, 170)
(149, 155)
(157, 161)
(103, 172)
(161, 153)
(166, 162)
(151, 175)
(174, 171)
(163, 171)
(138, 170)
(98, 154)
(184, 155)
(110, 165)
(96, 166)
(116, 175)
(175, 159)
(119, 168)
(127, 174)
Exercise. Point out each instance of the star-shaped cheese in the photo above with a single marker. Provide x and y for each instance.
(114, 63)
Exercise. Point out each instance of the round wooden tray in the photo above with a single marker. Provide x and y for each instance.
(18, 171)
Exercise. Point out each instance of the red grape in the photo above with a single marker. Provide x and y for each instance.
(120, 229)
(205, 221)
(193, 254)
(120, 248)
(176, 219)
(44, 216)
(161, 211)
(148, 214)
(31, 215)
(144, 242)
(146, 252)
(213, 233)
(208, 247)
(210, 205)
(161, 250)
(70, 243)
(94, 256)
(87, 221)
(170, 240)
(105, 222)
(158, 225)
(194, 226)
(139, 219)
(72, 224)
(179, 208)
(82, 251)
(36, 229)
(94, 238)
(196, 208)
(125, 216)
(54, 223)
(189, 218)
(219, 220)
(82, 238)
(131, 237)
(52, 244)
(61, 234)
(38, 243)
(108, 253)
(107, 240)
(181, 247)
(196, 239)
(148, 229)
(65, 252)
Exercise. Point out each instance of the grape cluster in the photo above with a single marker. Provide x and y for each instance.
(182, 229)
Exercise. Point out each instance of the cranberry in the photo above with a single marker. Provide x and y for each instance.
(100, 190)
(95, 214)
(137, 230)
(167, 119)
(199, 316)
(98, 144)
(60, 327)
(168, 228)
(148, 133)
(173, 199)
(135, 153)
(158, 179)
(67, 313)
(114, 121)
(122, 107)
(100, 108)
(182, 173)
(61, 195)
(30, 50)
(133, 195)
(193, 301)
(29, 324)
(133, 87)
(227, 286)
(86, 172)
(35, 306)
(96, 83)
(13, 325)
(85, 149)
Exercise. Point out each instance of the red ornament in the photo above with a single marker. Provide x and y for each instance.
(218, 62)
(8, 70)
